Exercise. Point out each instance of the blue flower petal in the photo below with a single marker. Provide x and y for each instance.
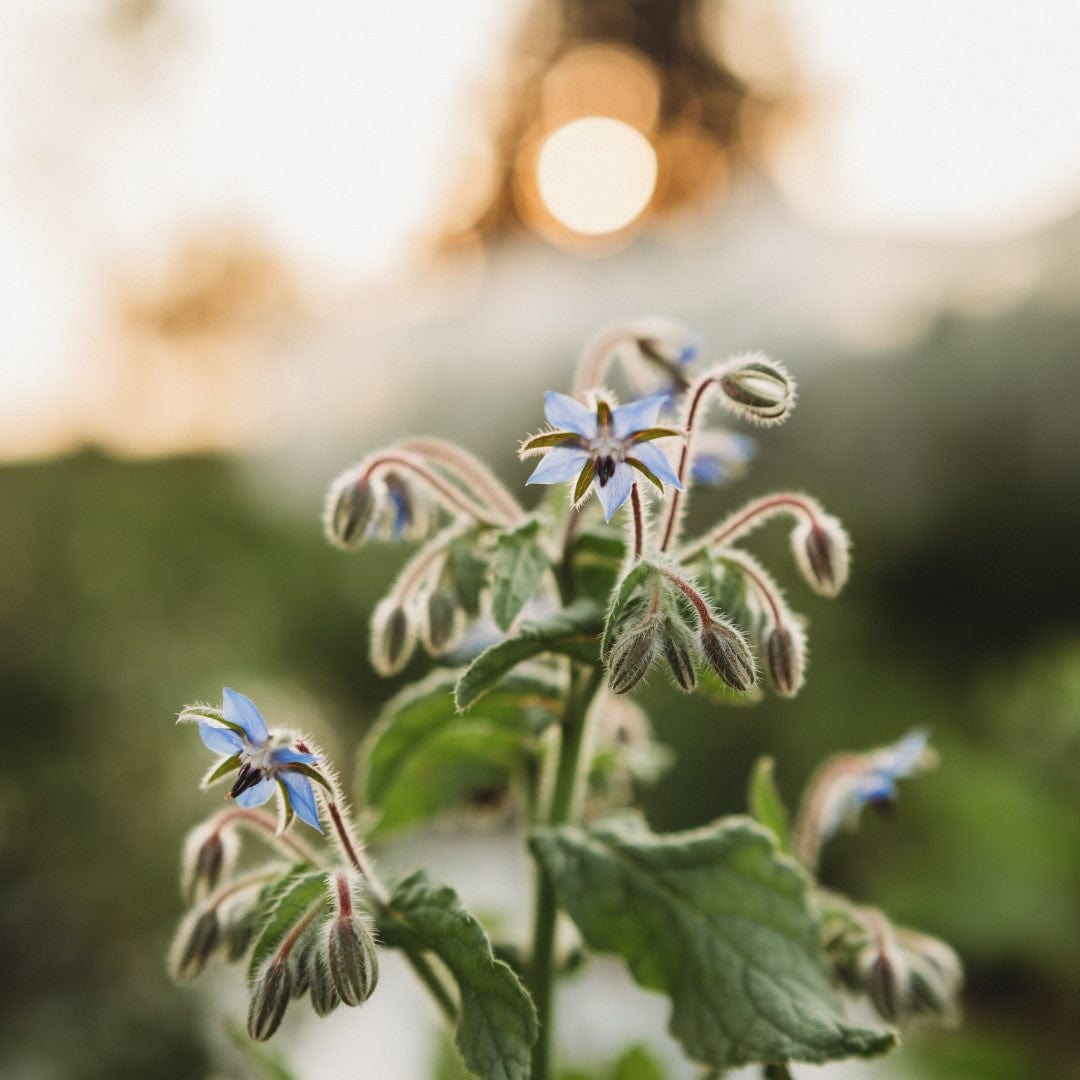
(301, 797)
(616, 491)
(655, 460)
(560, 463)
(565, 414)
(241, 710)
(637, 416)
(709, 470)
(875, 787)
(901, 758)
(257, 794)
(285, 756)
(220, 740)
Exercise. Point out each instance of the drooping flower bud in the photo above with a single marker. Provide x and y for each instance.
(821, 549)
(758, 388)
(209, 853)
(269, 999)
(679, 653)
(196, 939)
(442, 625)
(393, 637)
(350, 510)
(785, 658)
(238, 928)
(631, 656)
(324, 995)
(352, 959)
(728, 654)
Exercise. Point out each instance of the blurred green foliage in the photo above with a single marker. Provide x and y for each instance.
(131, 589)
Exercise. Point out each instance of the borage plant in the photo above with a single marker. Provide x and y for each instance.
(541, 622)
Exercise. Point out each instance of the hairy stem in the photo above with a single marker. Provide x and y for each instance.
(452, 498)
(748, 518)
(583, 685)
(639, 522)
(268, 827)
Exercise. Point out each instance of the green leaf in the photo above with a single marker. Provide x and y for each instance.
(570, 632)
(634, 579)
(497, 1021)
(766, 804)
(516, 571)
(423, 757)
(282, 906)
(721, 923)
(598, 557)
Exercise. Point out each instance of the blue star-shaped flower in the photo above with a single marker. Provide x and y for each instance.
(601, 447)
(261, 765)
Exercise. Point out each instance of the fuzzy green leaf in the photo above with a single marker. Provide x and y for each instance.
(516, 572)
(597, 560)
(423, 757)
(570, 632)
(631, 582)
(281, 908)
(766, 804)
(497, 1021)
(720, 922)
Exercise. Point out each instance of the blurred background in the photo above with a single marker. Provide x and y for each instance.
(245, 243)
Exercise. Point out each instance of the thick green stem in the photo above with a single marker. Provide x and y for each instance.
(583, 685)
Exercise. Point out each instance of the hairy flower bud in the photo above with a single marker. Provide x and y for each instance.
(196, 939)
(324, 995)
(393, 637)
(269, 999)
(758, 388)
(442, 624)
(237, 931)
(350, 510)
(785, 658)
(353, 963)
(209, 853)
(729, 655)
(679, 653)
(631, 657)
(821, 547)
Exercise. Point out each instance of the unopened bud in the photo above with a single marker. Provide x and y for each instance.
(882, 980)
(237, 932)
(442, 621)
(680, 657)
(759, 389)
(351, 507)
(324, 995)
(393, 637)
(194, 944)
(209, 853)
(631, 657)
(351, 955)
(269, 999)
(785, 659)
(729, 655)
(821, 552)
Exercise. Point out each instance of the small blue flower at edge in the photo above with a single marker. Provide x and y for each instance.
(889, 764)
(262, 766)
(601, 448)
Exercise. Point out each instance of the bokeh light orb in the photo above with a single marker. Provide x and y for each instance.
(596, 174)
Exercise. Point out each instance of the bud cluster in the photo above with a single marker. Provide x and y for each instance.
(658, 612)
(908, 976)
(435, 596)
